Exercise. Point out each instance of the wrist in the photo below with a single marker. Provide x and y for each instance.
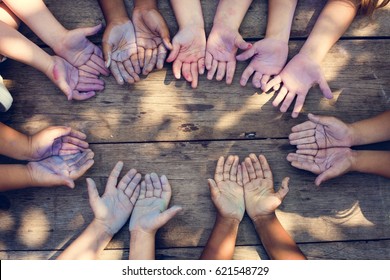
(227, 221)
(101, 229)
(311, 53)
(354, 160)
(145, 4)
(263, 218)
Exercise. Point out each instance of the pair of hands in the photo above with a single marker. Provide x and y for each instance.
(132, 47)
(147, 201)
(58, 155)
(247, 186)
(323, 147)
(77, 64)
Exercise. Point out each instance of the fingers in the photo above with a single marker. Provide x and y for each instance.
(304, 162)
(71, 143)
(221, 71)
(249, 70)
(256, 79)
(161, 55)
(149, 186)
(214, 191)
(89, 31)
(325, 87)
(166, 189)
(218, 176)
(113, 178)
(298, 105)
(157, 187)
(208, 61)
(135, 195)
(83, 162)
(250, 169)
(201, 66)
(212, 70)
(116, 73)
(227, 167)
(167, 215)
(186, 71)
(287, 101)
(230, 68)
(142, 193)
(239, 175)
(264, 81)
(174, 53)
(130, 69)
(265, 167)
(245, 175)
(76, 95)
(107, 51)
(275, 81)
(241, 44)
(129, 182)
(176, 68)
(246, 54)
(234, 169)
(303, 136)
(256, 166)
(141, 56)
(194, 74)
(308, 125)
(279, 98)
(98, 64)
(92, 192)
(283, 190)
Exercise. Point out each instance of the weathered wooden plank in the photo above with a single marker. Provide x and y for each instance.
(355, 250)
(159, 108)
(353, 207)
(73, 14)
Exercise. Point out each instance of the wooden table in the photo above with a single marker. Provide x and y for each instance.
(162, 125)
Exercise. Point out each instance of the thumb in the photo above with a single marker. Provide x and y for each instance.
(60, 81)
(325, 87)
(107, 51)
(68, 182)
(213, 188)
(326, 175)
(241, 44)
(283, 190)
(89, 31)
(164, 34)
(167, 215)
(174, 52)
(92, 191)
(246, 54)
(324, 120)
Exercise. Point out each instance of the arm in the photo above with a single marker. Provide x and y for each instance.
(224, 39)
(373, 162)
(227, 195)
(111, 212)
(373, 130)
(13, 144)
(261, 202)
(150, 214)
(189, 44)
(14, 176)
(270, 54)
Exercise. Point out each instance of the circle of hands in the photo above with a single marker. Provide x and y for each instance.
(248, 186)
(58, 156)
(323, 147)
(146, 201)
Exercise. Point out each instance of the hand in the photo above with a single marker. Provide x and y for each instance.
(60, 170)
(260, 197)
(150, 209)
(56, 141)
(222, 46)
(269, 57)
(80, 52)
(74, 83)
(153, 39)
(328, 163)
(113, 209)
(226, 189)
(188, 53)
(299, 75)
(321, 132)
(120, 51)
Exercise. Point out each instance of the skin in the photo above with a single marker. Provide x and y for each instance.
(304, 70)
(189, 44)
(152, 35)
(227, 194)
(269, 55)
(111, 212)
(72, 45)
(261, 202)
(150, 213)
(224, 40)
(73, 82)
(323, 146)
(48, 172)
(119, 42)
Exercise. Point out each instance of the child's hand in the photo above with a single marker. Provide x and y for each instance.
(114, 207)
(150, 211)
(226, 189)
(299, 75)
(60, 170)
(269, 57)
(222, 46)
(260, 197)
(120, 51)
(153, 39)
(74, 83)
(81, 53)
(321, 132)
(56, 141)
(328, 163)
(187, 54)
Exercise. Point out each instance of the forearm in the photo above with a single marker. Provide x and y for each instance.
(280, 16)
(277, 242)
(222, 240)
(333, 21)
(15, 46)
(14, 144)
(188, 13)
(14, 176)
(113, 10)
(41, 21)
(230, 13)
(89, 244)
(372, 162)
(142, 246)
(373, 130)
